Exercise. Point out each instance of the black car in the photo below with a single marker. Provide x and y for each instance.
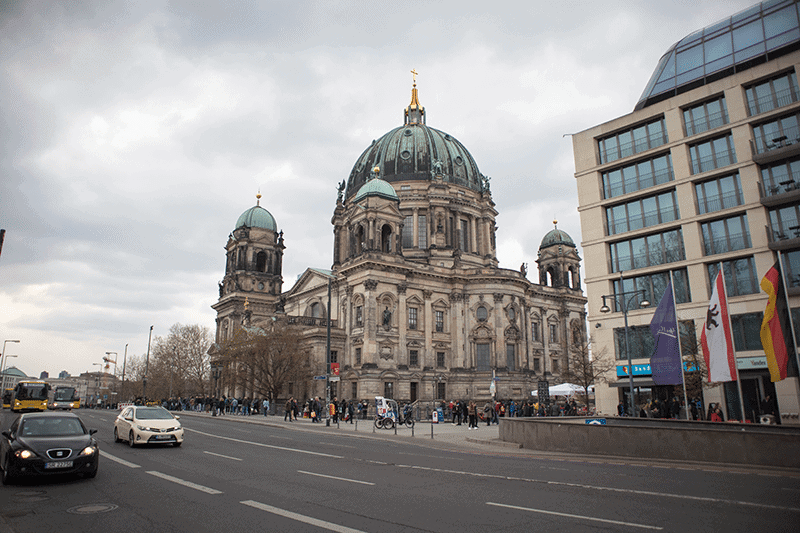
(42, 444)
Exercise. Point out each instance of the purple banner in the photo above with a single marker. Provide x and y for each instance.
(665, 362)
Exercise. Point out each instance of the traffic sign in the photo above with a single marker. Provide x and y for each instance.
(334, 378)
(320, 377)
(596, 421)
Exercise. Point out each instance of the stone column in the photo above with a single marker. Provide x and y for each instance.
(428, 325)
(369, 352)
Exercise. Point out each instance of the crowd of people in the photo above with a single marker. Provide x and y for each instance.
(471, 412)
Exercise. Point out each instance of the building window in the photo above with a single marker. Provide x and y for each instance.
(642, 344)
(553, 333)
(632, 141)
(718, 194)
(537, 365)
(638, 176)
(334, 356)
(772, 94)
(413, 358)
(408, 232)
(705, 116)
(316, 310)
(791, 271)
(359, 316)
(642, 213)
(358, 356)
(726, 235)
(482, 359)
(536, 329)
(740, 276)
(784, 222)
(412, 318)
(439, 359)
(782, 177)
(463, 237)
(747, 331)
(439, 321)
(512, 314)
(441, 389)
(388, 389)
(649, 250)
(653, 286)
(422, 231)
(511, 356)
(354, 390)
(555, 366)
(481, 314)
(714, 153)
(776, 134)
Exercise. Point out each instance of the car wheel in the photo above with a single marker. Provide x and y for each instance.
(116, 436)
(177, 444)
(131, 442)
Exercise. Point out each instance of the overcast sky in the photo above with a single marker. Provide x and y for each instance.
(134, 134)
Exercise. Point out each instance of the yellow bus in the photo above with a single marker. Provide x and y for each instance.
(7, 398)
(64, 397)
(30, 396)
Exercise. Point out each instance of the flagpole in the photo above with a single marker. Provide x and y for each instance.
(789, 309)
(680, 347)
(735, 358)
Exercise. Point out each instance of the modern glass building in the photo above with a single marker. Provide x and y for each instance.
(705, 172)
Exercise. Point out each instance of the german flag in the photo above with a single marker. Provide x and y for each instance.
(776, 337)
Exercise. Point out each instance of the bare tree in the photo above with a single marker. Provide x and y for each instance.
(587, 367)
(266, 360)
(179, 362)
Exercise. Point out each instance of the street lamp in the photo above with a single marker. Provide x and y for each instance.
(3, 371)
(107, 359)
(146, 368)
(3, 354)
(625, 299)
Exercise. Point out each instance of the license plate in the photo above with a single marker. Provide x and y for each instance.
(59, 464)
(163, 437)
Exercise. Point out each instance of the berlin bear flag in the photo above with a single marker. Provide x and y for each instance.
(716, 338)
(665, 363)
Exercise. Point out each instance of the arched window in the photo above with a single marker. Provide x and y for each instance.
(261, 262)
(386, 238)
(360, 240)
(316, 310)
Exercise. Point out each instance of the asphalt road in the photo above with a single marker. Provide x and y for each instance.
(238, 476)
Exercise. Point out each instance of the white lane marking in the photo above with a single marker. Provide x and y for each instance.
(301, 518)
(185, 483)
(118, 460)
(334, 477)
(265, 445)
(225, 456)
(610, 489)
(579, 517)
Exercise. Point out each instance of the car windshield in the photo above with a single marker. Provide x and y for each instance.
(32, 391)
(51, 426)
(153, 413)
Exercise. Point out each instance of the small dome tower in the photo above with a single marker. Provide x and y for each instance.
(559, 262)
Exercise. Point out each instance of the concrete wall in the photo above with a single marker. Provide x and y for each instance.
(679, 440)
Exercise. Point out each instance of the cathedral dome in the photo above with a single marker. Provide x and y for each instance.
(257, 217)
(416, 152)
(556, 236)
(376, 187)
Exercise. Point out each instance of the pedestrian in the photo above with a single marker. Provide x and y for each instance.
(287, 410)
(351, 411)
(472, 412)
(265, 406)
(487, 413)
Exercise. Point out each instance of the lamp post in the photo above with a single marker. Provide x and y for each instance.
(3, 370)
(107, 359)
(124, 363)
(146, 368)
(98, 384)
(5, 360)
(625, 299)
(216, 373)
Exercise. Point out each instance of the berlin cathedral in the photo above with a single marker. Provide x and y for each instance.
(419, 308)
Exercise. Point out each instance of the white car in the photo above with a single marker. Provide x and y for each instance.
(147, 425)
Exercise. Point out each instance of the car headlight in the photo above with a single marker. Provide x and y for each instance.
(142, 428)
(89, 450)
(25, 454)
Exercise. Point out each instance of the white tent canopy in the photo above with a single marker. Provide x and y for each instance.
(564, 389)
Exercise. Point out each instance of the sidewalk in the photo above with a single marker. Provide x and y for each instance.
(443, 433)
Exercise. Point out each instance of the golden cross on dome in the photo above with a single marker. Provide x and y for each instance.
(414, 75)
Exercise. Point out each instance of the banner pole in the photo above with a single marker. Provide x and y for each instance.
(680, 346)
(735, 358)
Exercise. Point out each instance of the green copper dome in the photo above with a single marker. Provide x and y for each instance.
(557, 236)
(257, 217)
(376, 187)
